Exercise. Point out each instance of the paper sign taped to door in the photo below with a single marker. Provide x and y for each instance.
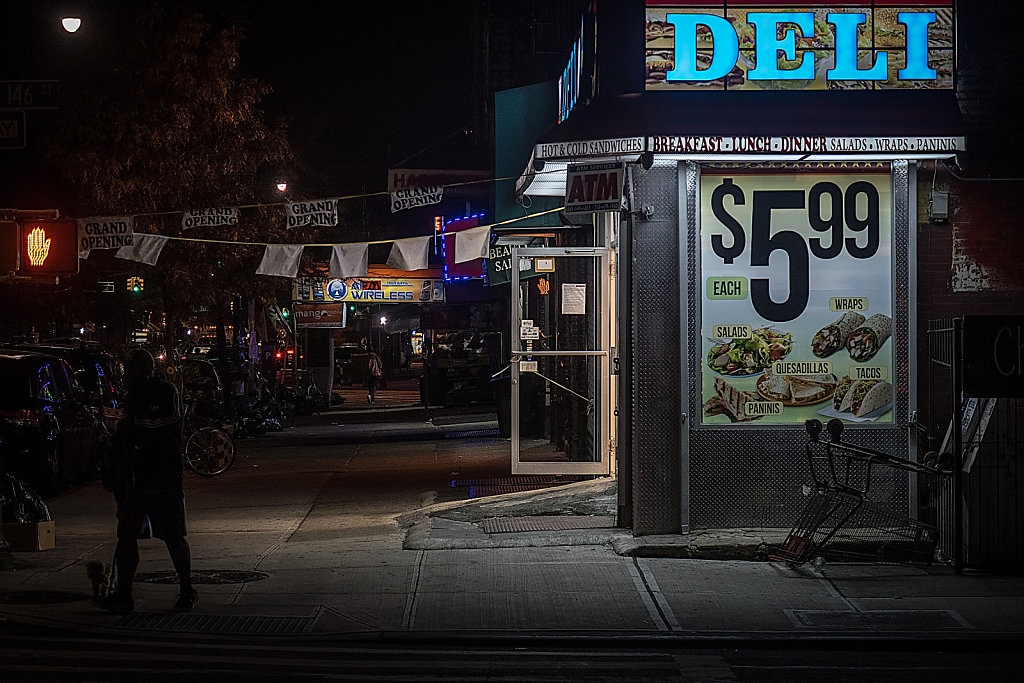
(574, 298)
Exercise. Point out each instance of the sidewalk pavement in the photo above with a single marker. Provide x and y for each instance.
(450, 570)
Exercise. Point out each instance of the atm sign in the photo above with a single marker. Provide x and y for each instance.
(590, 188)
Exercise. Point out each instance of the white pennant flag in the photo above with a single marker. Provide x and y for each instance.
(348, 260)
(281, 260)
(145, 248)
(410, 254)
(472, 244)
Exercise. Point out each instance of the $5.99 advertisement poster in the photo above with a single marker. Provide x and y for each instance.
(796, 298)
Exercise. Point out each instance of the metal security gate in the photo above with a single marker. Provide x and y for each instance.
(561, 379)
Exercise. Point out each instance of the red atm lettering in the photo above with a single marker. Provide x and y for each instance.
(594, 187)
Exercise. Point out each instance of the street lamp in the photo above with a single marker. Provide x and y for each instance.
(282, 186)
(71, 24)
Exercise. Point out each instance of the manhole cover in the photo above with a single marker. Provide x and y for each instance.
(203, 576)
(881, 619)
(504, 525)
(41, 597)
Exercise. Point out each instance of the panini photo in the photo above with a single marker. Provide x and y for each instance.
(730, 401)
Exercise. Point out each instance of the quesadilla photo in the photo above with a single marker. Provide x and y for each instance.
(867, 340)
(831, 338)
(796, 390)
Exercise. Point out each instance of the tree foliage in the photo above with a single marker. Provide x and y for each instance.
(162, 120)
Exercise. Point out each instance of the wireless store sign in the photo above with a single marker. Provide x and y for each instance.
(796, 305)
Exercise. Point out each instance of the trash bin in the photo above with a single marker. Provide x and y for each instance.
(502, 387)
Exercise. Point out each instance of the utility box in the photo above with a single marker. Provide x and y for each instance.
(31, 536)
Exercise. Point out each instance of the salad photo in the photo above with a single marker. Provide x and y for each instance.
(746, 357)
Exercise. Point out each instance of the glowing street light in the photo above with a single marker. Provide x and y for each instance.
(282, 186)
(71, 24)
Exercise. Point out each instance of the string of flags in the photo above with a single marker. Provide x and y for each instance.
(347, 259)
(282, 260)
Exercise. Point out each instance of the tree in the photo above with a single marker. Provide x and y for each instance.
(163, 120)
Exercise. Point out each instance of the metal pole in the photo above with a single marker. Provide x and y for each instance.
(958, 459)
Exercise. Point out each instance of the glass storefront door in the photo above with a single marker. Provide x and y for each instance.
(561, 381)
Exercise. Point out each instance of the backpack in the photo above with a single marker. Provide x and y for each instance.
(375, 368)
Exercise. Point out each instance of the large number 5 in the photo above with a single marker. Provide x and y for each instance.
(763, 243)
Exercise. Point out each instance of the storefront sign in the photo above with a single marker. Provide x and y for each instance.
(796, 305)
(798, 46)
(569, 81)
(589, 148)
(109, 232)
(371, 290)
(325, 315)
(404, 178)
(752, 144)
(591, 188)
(993, 352)
(499, 265)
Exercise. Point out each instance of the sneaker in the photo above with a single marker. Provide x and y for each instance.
(186, 601)
(369, 399)
(121, 604)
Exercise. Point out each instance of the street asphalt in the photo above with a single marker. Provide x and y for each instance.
(273, 560)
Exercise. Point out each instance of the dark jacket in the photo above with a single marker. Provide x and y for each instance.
(151, 433)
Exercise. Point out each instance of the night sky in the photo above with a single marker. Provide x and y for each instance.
(361, 86)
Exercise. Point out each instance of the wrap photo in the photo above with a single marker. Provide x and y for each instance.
(865, 341)
(831, 338)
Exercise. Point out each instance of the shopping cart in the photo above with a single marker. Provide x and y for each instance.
(839, 522)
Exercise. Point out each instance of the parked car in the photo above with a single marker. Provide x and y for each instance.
(48, 435)
(95, 370)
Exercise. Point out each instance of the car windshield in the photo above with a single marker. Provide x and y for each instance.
(16, 391)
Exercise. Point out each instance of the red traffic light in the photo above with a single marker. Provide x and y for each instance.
(48, 247)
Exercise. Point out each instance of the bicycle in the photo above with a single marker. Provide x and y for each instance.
(208, 451)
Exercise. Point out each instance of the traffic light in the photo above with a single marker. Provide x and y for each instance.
(48, 247)
(134, 284)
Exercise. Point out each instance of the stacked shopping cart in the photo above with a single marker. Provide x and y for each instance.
(840, 522)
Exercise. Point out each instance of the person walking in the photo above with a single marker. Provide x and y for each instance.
(148, 489)
(374, 374)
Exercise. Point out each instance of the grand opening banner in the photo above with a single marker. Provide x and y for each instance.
(796, 298)
(799, 45)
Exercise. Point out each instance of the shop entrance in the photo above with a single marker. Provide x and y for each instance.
(561, 380)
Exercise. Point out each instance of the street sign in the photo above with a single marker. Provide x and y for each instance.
(12, 130)
(29, 94)
(106, 287)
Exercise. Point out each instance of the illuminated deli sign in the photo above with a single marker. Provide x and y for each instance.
(797, 46)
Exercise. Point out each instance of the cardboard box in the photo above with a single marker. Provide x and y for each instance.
(31, 536)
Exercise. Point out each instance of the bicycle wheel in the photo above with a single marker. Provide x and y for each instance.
(209, 451)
